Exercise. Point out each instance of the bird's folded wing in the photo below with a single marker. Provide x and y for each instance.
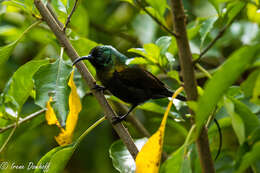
(139, 78)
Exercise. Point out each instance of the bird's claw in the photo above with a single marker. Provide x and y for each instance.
(98, 88)
(118, 119)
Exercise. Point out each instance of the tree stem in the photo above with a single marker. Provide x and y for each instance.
(190, 85)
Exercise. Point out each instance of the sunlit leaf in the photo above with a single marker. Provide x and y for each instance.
(225, 76)
(253, 12)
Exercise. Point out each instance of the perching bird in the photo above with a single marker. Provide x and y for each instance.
(131, 84)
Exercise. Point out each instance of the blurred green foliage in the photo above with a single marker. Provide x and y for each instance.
(27, 45)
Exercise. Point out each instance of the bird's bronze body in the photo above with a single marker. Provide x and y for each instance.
(133, 85)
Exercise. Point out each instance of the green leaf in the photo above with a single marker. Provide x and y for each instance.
(159, 6)
(153, 107)
(205, 28)
(5, 52)
(164, 43)
(175, 75)
(225, 76)
(249, 84)
(121, 158)
(236, 121)
(145, 28)
(217, 4)
(137, 60)
(51, 80)
(254, 136)
(250, 120)
(151, 52)
(256, 91)
(21, 83)
(193, 31)
(233, 9)
(129, 1)
(79, 22)
(250, 158)
(56, 159)
(178, 162)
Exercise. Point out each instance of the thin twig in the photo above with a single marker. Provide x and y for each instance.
(90, 129)
(155, 19)
(8, 139)
(220, 34)
(27, 118)
(64, 41)
(203, 70)
(123, 35)
(70, 15)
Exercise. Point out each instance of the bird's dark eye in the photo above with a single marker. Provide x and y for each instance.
(96, 52)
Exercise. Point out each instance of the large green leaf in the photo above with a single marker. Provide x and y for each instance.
(249, 84)
(225, 76)
(250, 120)
(51, 80)
(5, 52)
(55, 160)
(237, 122)
(178, 162)
(21, 83)
(256, 91)
(121, 158)
(250, 158)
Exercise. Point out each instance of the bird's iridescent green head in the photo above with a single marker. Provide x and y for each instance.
(103, 57)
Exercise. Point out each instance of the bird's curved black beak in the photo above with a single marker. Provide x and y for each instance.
(82, 58)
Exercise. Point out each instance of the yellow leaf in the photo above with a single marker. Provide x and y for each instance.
(65, 136)
(50, 114)
(149, 158)
(253, 12)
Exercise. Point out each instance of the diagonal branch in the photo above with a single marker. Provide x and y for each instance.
(109, 113)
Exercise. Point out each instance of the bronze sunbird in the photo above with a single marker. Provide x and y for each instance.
(133, 85)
